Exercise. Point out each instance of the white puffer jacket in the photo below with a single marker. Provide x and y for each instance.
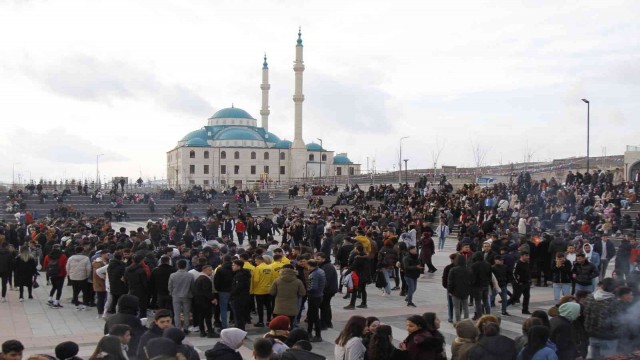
(79, 267)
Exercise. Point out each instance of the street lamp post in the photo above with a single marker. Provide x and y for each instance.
(400, 160)
(98, 169)
(321, 149)
(406, 182)
(13, 173)
(588, 110)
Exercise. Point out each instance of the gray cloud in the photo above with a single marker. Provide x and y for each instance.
(59, 146)
(89, 79)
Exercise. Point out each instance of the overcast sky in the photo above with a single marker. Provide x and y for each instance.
(128, 79)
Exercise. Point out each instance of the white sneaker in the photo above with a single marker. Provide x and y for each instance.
(384, 294)
(21, 300)
(3, 300)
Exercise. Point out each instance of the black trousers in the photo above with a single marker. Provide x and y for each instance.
(5, 279)
(362, 291)
(264, 301)
(204, 315)
(114, 303)
(313, 315)
(57, 283)
(525, 291)
(325, 311)
(78, 286)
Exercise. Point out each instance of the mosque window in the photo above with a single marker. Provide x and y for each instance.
(282, 170)
(253, 169)
(236, 169)
(206, 154)
(253, 155)
(266, 155)
(311, 157)
(266, 169)
(223, 155)
(206, 183)
(282, 156)
(236, 155)
(192, 154)
(339, 171)
(223, 169)
(206, 169)
(192, 169)
(324, 157)
(351, 171)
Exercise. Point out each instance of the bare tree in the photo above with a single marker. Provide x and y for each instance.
(436, 150)
(479, 154)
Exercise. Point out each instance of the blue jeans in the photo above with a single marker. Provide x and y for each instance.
(599, 348)
(481, 300)
(441, 243)
(558, 288)
(387, 277)
(223, 302)
(411, 288)
(504, 296)
(587, 288)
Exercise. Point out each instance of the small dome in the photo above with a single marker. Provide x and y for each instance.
(342, 159)
(196, 142)
(284, 144)
(231, 113)
(271, 138)
(314, 147)
(236, 133)
(200, 133)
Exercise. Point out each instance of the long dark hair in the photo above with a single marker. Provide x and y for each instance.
(353, 328)
(430, 319)
(537, 339)
(110, 345)
(542, 315)
(380, 347)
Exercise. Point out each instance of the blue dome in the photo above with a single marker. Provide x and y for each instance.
(236, 133)
(342, 159)
(284, 144)
(233, 113)
(196, 142)
(271, 138)
(197, 134)
(314, 147)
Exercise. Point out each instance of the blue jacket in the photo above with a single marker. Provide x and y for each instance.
(317, 282)
(545, 353)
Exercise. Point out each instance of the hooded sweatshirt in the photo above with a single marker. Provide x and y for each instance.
(600, 312)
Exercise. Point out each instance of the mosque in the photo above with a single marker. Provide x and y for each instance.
(231, 150)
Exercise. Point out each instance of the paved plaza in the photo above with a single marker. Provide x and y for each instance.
(40, 328)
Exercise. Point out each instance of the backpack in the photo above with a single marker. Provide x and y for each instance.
(53, 268)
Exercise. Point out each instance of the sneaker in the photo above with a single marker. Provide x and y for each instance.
(349, 307)
(259, 324)
(396, 288)
(315, 339)
(526, 312)
(21, 300)
(194, 329)
(362, 306)
(57, 306)
(3, 300)
(50, 302)
(506, 313)
(384, 294)
(410, 304)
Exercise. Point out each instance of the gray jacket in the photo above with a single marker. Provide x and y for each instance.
(181, 284)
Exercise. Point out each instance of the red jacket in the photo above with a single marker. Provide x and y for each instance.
(62, 264)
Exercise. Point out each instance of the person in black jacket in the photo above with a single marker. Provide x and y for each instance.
(6, 264)
(330, 289)
(342, 258)
(223, 282)
(203, 300)
(459, 286)
(240, 297)
(159, 281)
(445, 278)
(161, 322)
(362, 266)
(127, 314)
(561, 276)
(481, 271)
(522, 282)
(412, 270)
(500, 272)
(136, 279)
(118, 287)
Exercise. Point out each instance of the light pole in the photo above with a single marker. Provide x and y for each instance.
(320, 160)
(400, 160)
(588, 110)
(13, 173)
(98, 169)
(406, 182)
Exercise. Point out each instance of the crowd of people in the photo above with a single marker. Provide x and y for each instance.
(200, 276)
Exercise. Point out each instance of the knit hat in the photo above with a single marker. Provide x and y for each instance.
(67, 350)
(160, 347)
(175, 334)
(570, 310)
(466, 329)
(280, 322)
(232, 337)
